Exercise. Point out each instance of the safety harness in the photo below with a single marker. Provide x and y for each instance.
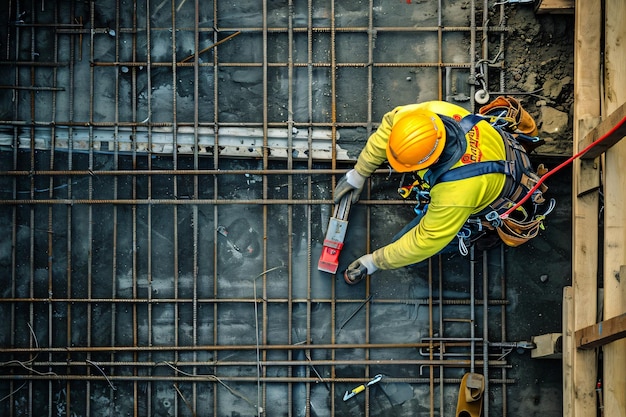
(519, 227)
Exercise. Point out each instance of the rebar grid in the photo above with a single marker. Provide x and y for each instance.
(121, 294)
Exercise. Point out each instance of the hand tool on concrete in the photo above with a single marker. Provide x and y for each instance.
(361, 388)
(335, 235)
(470, 400)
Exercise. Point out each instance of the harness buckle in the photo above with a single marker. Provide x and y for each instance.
(509, 168)
(493, 218)
(477, 222)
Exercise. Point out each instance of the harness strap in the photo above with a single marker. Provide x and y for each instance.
(523, 178)
(479, 168)
(517, 166)
(456, 144)
(519, 174)
(469, 121)
(520, 177)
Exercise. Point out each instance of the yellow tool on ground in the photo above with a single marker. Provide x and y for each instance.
(361, 388)
(470, 400)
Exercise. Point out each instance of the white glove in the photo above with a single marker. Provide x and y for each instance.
(368, 262)
(359, 269)
(349, 182)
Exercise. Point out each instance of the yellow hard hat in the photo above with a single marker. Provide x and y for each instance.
(416, 141)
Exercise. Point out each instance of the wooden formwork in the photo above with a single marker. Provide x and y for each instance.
(600, 94)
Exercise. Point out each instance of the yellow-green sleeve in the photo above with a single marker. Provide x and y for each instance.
(452, 203)
(436, 229)
(375, 151)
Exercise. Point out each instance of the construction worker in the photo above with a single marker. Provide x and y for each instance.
(430, 139)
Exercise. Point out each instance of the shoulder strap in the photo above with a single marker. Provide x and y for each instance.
(476, 169)
(456, 144)
(469, 121)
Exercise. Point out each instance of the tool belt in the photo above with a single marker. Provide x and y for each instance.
(519, 227)
(514, 233)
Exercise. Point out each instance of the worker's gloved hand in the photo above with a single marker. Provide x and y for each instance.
(351, 181)
(359, 269)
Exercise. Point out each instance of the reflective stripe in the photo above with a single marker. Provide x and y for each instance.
(427, 157)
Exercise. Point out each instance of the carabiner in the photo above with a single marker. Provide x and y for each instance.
(405, 192)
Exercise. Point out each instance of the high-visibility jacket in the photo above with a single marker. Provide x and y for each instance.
(451, 202)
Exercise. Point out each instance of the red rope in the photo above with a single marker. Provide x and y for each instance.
(549, 173)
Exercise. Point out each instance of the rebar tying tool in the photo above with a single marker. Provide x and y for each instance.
(361, 388)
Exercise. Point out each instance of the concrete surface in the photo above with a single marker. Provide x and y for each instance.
(172, 293)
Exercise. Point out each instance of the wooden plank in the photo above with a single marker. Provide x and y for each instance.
(554, 6)
(547, 346)
(568, 351)
(614, 354)
(580, 382)
(601, 333)
(584, 280)
(615, 118)
(588, 177)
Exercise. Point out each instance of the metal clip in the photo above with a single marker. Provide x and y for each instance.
(494, 218)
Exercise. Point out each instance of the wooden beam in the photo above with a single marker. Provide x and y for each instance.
(614, 354)
(579, 373)
(568, 351)
(601, 333)
(547, 346)
(554, 6)
(615, 118)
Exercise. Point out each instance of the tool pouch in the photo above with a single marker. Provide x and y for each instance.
(511, 110)
(514, 233)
